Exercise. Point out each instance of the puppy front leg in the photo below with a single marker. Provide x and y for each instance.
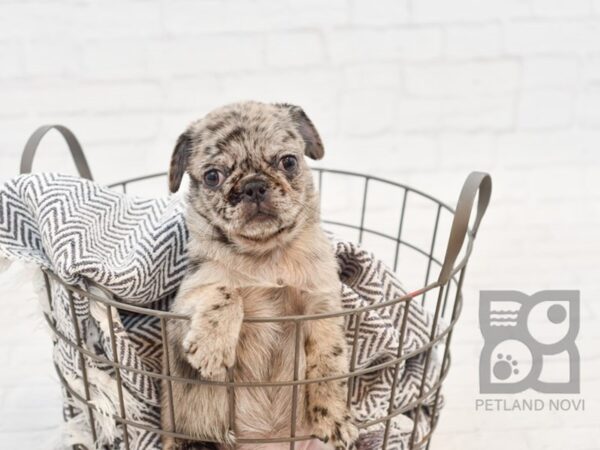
(211, 340)
(326, 408)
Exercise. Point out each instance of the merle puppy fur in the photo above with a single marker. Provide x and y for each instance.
(256, 249)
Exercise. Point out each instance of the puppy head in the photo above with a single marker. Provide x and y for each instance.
(248, 176)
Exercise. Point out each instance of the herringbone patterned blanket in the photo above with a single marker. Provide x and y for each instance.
(136, 249)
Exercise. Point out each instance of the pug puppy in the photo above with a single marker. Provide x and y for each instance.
(256, 249)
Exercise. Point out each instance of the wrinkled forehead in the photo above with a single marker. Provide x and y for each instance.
(254, 135)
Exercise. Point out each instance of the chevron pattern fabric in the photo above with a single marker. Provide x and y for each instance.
(95, 238)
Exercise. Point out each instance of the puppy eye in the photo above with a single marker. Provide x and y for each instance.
(288, 163)
(213, 178)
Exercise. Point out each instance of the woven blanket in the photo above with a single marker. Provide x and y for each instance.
(135, 250)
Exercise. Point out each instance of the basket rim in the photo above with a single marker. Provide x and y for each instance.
(315, 169)
(109, 298)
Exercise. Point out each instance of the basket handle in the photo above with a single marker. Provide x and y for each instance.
(74, 146)
(476, 182)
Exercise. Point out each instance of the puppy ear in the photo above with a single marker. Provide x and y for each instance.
(314, 146)
(179, 161)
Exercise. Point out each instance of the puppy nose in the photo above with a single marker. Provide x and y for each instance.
(255, 191)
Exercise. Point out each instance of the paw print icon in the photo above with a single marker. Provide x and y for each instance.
(529, 342)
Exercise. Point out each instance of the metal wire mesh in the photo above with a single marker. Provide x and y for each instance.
(441, 295)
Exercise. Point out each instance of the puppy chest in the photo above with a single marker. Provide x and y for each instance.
(266, 352)
(267, 349)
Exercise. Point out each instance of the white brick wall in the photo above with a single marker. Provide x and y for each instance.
(421, 91)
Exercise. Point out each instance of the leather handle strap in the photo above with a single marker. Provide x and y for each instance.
(476, 183)
(74, 146)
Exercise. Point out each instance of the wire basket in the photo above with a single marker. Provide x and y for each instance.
(441, 294)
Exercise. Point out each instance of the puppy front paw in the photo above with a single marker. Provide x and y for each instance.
(339, 432)
(211, 354)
